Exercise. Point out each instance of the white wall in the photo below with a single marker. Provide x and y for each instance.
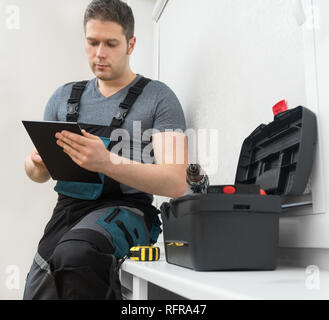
(143, 58)
(311, 230)
(229, 62)
(46, 51)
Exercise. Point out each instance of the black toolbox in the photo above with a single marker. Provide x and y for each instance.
(239, 231)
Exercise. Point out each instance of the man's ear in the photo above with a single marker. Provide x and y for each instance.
(131, 45)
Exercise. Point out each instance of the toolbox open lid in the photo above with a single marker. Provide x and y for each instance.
(278, 156)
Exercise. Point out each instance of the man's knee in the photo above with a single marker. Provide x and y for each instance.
(80, 247)
(71, 253)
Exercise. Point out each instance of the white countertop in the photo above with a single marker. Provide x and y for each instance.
(282, 283)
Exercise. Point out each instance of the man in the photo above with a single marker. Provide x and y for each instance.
(94, 226)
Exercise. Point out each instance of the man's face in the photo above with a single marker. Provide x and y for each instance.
(107, 49)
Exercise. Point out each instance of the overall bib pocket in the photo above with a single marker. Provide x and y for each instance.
(83, 190)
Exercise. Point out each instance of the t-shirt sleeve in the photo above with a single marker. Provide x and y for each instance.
(169, 114)
(51, 110)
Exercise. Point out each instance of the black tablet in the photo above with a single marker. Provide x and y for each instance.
(58, 163)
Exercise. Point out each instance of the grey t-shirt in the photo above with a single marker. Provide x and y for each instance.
(157, 108)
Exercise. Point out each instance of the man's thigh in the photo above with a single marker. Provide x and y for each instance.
(123, 226)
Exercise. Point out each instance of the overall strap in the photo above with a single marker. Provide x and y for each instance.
(73, 103)
(128, 102)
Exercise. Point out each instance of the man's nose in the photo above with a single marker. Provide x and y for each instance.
(101, 51)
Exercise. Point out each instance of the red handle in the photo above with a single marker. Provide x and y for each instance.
(280, 107)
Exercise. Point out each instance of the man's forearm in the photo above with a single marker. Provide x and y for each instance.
(164, 180)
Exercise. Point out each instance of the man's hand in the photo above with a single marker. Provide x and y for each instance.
(87, 151)
(35, 167)
(37, 160)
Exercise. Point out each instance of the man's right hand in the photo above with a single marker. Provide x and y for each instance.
(35, 167)
(37, 160)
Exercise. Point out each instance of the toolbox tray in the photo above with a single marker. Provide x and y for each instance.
(279, 156)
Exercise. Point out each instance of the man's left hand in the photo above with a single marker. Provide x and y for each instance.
(87, 151)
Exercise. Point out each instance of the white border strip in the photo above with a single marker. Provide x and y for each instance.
(158, 9)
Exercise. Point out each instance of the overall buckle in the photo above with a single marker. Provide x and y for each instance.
(72, 107)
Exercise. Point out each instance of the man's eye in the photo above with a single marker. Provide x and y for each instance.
(93, 44)
(111, 45)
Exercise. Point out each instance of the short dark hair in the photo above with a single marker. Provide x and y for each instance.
(112, 10)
